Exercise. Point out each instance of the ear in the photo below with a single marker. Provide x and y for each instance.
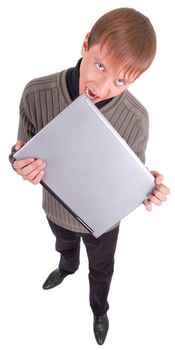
(85, 44)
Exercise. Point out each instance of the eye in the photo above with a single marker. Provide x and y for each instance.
(100, 66)
(119, 82)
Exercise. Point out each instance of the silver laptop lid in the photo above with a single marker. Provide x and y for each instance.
(89, 168)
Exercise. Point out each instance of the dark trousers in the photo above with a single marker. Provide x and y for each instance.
(100, 253)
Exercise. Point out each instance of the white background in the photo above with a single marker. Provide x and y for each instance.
(39, 38)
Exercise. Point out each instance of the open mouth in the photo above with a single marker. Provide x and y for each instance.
(91, 95)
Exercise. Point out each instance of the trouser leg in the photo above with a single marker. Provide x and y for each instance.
(68, 245)
(100, 253)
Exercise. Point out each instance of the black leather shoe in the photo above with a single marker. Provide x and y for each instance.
(55, 278)
(101, 325)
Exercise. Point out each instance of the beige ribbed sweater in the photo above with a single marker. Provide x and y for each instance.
(45, 97)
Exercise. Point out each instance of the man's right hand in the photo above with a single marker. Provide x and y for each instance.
(29, 168)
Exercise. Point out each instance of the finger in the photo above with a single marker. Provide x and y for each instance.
(155, 173)
(20, 164)
(28, 167)
(38, 178)
(154, 199)
(32, 175)
(162, 188)
(160, 195)
(147, 204)
(31, 167)
(158, 177)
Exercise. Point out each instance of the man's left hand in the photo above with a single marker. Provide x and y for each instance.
(159, 194)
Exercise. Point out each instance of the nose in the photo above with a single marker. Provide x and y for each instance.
(102, 87)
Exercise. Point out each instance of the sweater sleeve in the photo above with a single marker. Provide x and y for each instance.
(25, 128)
(140, 142)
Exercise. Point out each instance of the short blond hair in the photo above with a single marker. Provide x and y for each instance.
(129, 37)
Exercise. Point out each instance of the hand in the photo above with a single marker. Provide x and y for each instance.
(29, 168)
(159, 194)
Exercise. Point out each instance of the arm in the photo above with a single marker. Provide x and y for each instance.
(30, 169)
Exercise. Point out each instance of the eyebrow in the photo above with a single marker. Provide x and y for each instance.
(99, 59)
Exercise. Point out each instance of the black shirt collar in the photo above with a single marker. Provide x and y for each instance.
(72, 78)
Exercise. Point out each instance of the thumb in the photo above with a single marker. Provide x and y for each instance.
(18, 145)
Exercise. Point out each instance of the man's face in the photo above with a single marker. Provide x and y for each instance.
(97, 79)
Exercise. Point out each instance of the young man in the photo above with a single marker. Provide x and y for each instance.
(119, 48)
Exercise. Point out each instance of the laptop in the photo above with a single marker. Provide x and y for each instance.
(90, 169)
